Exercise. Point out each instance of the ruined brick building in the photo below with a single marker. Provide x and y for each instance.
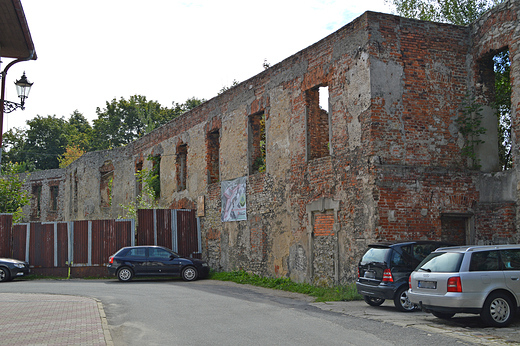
(383, 162)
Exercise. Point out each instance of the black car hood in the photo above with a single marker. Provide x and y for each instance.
(11, 260)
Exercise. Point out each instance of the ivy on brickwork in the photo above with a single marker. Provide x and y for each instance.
(470, 126)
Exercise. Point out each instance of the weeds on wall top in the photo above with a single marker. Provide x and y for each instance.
(470, 126)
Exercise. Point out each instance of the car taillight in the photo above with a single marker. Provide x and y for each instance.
(454, 284)
(410, 282)
(111, 260)
(387, 276)
(358, 272)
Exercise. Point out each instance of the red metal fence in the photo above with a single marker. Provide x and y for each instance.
(52, 248)
(177, 229)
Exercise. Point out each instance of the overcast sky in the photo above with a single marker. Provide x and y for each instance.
(90, 52)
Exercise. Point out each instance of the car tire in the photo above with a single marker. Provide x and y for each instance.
(373, 301)
(125, 274)
(189, 273)
(443, 315)
(498, 310)
(4, 275)
(401, 300)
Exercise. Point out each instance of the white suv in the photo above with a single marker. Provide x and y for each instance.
(483, 280)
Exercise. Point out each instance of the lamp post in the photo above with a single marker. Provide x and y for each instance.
(23, 87)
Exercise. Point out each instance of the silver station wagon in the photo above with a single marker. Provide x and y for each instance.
(482, 280)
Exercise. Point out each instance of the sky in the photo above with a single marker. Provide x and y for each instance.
(91, 52)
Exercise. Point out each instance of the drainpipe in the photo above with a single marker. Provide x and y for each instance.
(2, 98)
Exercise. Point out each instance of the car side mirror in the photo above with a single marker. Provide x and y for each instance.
(172, 257)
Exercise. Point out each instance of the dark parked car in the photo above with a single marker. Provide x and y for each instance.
(12, 268)
(384, 270)
(154, 261)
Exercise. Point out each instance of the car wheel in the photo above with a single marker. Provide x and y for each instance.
(401, 300)
(442, 315)
(125, 274)
(498, 310)
(373, 301)
(4, 275)
(189, 274)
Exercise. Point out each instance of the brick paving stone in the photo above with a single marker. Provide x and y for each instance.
(46, 319)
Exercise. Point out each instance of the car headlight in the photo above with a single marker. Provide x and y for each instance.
(19, 265)
(204, 264)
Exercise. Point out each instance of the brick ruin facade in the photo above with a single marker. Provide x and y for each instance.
(383, 162)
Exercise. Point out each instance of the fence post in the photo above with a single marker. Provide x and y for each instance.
(174, 231)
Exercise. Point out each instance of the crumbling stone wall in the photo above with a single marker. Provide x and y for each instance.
(383, 162)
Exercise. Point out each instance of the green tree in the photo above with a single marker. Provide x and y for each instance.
(122, 122)
(12, 194)
(79, 132)
(459, 12)
(46, 141)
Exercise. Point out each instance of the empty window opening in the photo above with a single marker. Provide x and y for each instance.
(106, 188)
(502, 104)
(318, 129)
(54, 197)
(257, 142)
(36, 196)
(182, 162)
(155, 175)
(139, 178)
(213, 159)
(105, 183)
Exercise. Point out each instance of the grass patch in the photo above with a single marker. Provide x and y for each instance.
(321, 294)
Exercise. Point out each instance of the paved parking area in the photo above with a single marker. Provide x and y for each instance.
(466, 327)
(48, 319)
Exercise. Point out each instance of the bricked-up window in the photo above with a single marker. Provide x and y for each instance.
(36, 197)
(324, 223)
(182, 165)
(213, 159)
(257, 141)
(317, 117)
(54, 197)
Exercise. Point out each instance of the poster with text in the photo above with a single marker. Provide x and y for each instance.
(233, 193)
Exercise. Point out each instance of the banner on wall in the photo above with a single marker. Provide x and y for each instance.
(233, 196)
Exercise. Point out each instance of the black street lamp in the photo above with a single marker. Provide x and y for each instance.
(23, 87)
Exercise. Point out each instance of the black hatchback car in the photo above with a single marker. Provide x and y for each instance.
(154, 261)
(384, 270)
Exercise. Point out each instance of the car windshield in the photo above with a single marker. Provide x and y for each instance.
(441, 262)
(375, 255)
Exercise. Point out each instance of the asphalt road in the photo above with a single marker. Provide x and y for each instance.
(206, 312)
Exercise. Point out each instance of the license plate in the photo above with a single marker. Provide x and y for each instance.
(370, 275)
(427, 284)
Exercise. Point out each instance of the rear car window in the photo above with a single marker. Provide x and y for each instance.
(140, 252)
(375, 255)
(448, 262)
(484, 261)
